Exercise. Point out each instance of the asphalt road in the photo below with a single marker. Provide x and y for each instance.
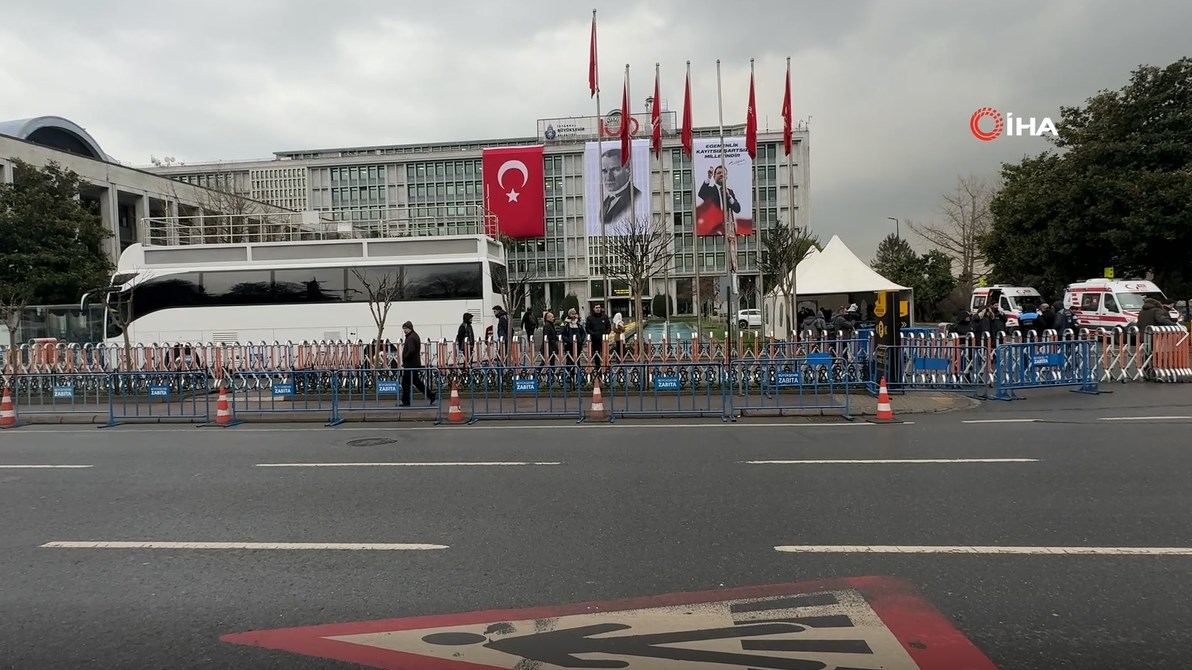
(628, 511)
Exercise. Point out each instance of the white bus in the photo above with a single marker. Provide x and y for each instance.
(303, 291)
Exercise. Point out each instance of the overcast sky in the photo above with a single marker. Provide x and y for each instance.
(889, 86)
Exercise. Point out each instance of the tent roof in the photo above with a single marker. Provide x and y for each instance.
(837, 269)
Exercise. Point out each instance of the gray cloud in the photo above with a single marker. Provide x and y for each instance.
(889, 86)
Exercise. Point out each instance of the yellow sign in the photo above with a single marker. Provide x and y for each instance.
(881, 330)
(1109, 273)
(904, 307)
(982, 283)
(879, 305)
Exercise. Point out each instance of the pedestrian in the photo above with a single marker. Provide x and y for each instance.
(550, 340)
(502, 332)
(529, 324)
(598, 326)
(411, 364)
(573, 343)
(465, 340)
(618, 347)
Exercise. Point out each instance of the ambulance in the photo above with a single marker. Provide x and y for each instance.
(1012, 302)
(1106, 303)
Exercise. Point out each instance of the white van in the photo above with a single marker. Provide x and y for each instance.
(1106, 303)
(1014, 299)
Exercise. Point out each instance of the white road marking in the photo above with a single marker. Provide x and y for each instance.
(1021, 551)
(882, 461)
(1001, 421)
(282, 546)
(44, 467)
(483, 427)
(1145, 418)
(407, 465)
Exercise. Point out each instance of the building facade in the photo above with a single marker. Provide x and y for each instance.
(438, 189)
(125, 196)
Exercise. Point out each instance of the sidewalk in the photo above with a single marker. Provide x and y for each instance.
(319, 410)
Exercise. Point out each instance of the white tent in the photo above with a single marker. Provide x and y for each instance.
(835, 271)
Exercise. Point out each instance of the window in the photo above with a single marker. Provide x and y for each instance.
(500, 278)
(448, 281)
(248, 287)
(1090, 302)
(314, 285)
(1111, 304)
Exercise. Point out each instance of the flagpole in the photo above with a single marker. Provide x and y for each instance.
(757, 224)
(626, 118)
(730, 222)
(794, 222)
(666, 226)
(697, 241)
(602, 248)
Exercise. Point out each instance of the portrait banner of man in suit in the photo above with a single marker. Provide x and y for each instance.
(623, 185)
(722, 190)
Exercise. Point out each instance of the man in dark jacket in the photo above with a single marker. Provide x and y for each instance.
(411, 364)
(465, 339)
(501, 333)
(1153, 313)
(550, 340)
(598, 326)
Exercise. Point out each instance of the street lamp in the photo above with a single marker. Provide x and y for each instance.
(897, 233)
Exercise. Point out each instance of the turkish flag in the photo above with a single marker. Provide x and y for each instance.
(513, 190)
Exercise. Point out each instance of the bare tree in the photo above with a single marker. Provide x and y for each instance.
(118, 306)
(232, 215)
(14, 298)
(783, 248)
(966, 220)
(382, 288)
(638, 249)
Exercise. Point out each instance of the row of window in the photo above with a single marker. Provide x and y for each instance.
(445, 281)
(356, 196)
(366, 174)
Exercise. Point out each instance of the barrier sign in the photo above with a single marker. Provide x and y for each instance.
(159, 391)
(1047, 360)
(283, 390)
(66, 392)
(525, 385)
(666, 383)
(788, 379)
(387, 388)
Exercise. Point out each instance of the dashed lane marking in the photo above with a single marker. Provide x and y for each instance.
(403, 465)
(275, 546)
(1145, 418)
(44, 467)
(1019, 551)
(1001, 421)
(897, 461)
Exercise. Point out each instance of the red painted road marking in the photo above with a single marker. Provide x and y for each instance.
(859, 623)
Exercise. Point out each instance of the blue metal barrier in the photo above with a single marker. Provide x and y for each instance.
(932, 365)
(665, 389)
(518, 392)
(294, 392)
(64, 393)
(158, 396)
(815, 381)
(1044, 365)
(379, 391)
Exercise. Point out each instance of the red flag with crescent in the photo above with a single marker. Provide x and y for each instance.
(513, 190)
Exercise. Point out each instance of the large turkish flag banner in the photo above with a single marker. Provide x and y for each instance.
(513, 190)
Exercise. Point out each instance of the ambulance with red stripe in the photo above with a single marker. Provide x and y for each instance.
(1107, 303)
(1012, 302)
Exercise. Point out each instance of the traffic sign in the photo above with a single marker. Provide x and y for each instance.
(864, 622)
(1109, 273)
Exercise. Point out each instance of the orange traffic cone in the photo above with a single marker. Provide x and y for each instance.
(455, 413)
(8, 413)
(223, 414)
(885, 414)
(597, 411)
